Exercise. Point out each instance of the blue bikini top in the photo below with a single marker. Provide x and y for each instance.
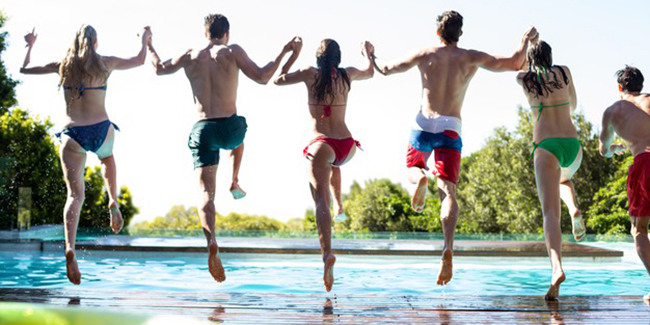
(81, 88)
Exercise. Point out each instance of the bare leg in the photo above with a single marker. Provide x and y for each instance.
(237, 155)
(73, 160)
(449, 216)
(639, 232)
(547, 176)
(320, 170)
(207, 211)
(105, 154)
(568, 195)
(417, 176)
(335, 186)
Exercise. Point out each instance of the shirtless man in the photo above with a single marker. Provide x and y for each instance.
(446, 72)
(213, 73)
(630, 119)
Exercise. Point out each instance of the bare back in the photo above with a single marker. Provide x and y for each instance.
(553, 121)
(213, 74)
(445, 73)
(86, 107)
(630, 118)
(333, 124)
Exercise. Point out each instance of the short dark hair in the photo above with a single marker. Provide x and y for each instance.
(630, 79)
(217, 25)
(450, 25)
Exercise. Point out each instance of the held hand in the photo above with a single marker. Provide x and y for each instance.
(146, 36)
(30, 38)
(618, 148)
(367, 49)
(296, 44)
(531, 34)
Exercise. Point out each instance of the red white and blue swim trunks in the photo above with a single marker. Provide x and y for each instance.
(441, 135)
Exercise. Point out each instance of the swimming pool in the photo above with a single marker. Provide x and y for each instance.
(303, 273)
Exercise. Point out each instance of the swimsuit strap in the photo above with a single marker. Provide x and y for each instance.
(535, 146)
(81, 88)
(566, 79)
(542, 107)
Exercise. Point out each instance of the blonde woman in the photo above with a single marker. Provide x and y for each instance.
(83, 77)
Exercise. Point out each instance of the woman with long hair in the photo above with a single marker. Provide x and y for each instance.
(83, 77)
(557, 152)
(332, 146)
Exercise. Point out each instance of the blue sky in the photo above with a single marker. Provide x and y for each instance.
(155, 114)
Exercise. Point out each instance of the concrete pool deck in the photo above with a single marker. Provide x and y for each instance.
(332, 308)
(409, 247)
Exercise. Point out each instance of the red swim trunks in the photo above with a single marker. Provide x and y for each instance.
(446, 145)
(638, 186)
(341, 148)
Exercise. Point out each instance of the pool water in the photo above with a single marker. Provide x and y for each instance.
(303, 273)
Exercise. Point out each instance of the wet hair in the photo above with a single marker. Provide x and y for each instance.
(630, 79)
(328, 58)
(540, 58)
(81, 62)
(217, 25)
(450, 25)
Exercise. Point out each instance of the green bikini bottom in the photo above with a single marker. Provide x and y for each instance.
(564, 149)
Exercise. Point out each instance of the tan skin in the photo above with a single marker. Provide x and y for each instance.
(630, 119)
(87, 110)
(446, 72)
(553, 182)
(323, 176)
(213, 72)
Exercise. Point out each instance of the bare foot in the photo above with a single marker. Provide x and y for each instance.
(446, 268)
(214, 264)
(236, 191)
(646, 298)
(578, 224)
(328, 272)
(72, 268)
(417, 202)
(554, 290)
(116, 217)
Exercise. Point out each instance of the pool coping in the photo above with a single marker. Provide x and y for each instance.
(400, 247)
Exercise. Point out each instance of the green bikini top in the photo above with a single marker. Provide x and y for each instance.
(541, 106)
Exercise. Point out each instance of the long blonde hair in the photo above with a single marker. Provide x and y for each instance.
(82, 63)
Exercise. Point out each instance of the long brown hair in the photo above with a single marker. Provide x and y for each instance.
(328, 58)
(82, 63)
(540, 59)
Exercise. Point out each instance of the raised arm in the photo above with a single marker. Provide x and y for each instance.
(367, 50)
(512, 63)
(253, 71)
(401, 65)
(607, 149)
(53, 67)
(170, 66)
(573, 99)
(115, 63)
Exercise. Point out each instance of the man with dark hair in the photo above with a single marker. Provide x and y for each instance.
(446, 72)
(630, 119)
(213, 72)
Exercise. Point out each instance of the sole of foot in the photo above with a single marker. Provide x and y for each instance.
(116, 217)
(71, 267)
(237, 192)
(419, 197)
(554, 290)
(578, 226)
(328, 272)
(214, 264)
(446, 268)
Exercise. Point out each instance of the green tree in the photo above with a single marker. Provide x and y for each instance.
(7, 84)
(608, 213)
(380, 206)
(29, 159)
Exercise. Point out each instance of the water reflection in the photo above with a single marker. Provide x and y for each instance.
(328, 312)
(554, 309)
(217, 314)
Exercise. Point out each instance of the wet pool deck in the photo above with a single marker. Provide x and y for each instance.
(311, 246)
(322, 308)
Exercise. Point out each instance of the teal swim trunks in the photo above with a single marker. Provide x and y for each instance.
(211, 135)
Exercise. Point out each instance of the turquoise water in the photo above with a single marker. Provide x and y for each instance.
(303, 273)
